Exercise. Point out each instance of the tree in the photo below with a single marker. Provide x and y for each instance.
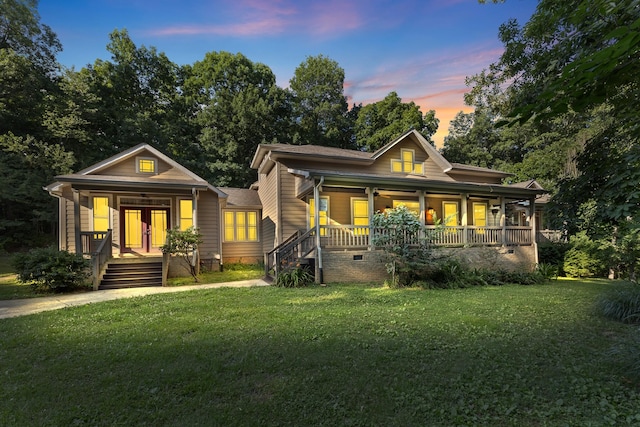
(22, 32)
(240, 106)
(184, 243)
(319, 105)
(379, 123)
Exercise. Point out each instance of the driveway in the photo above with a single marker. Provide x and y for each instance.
(22, 307)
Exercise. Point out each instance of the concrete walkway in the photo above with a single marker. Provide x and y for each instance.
(22, 307)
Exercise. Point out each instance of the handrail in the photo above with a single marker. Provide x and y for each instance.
(100, 258)
(295, 247)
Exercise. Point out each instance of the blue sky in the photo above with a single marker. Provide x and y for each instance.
(421, 49)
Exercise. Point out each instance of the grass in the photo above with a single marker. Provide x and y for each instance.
(338, 355)
(230, 273)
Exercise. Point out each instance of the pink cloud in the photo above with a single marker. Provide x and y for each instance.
(259, 17)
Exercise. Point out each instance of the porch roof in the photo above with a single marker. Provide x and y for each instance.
(413, 182)
(126, 182)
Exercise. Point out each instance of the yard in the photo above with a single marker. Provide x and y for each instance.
(336, 355)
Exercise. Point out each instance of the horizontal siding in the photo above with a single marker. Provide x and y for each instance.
(209, 224)
(128, 168)
(267, 191)
(243, 252)
(294, 210)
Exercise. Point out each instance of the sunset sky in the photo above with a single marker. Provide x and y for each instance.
(421, 49)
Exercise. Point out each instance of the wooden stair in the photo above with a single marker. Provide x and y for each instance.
(132, 275)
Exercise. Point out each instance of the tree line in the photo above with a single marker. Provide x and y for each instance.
(209, 116)
(559, 105)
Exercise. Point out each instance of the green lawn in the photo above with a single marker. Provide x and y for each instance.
(335, 356)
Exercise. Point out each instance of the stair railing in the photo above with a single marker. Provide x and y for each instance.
(288, 252)
(100, 258)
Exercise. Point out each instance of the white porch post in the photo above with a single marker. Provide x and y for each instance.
(316, 213)
(371, 203)
(503, 220)
(464, 197)
(76, 221)
(422, 207)
(194, 206)
(532, 224)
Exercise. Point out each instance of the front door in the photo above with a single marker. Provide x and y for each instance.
(144, 229)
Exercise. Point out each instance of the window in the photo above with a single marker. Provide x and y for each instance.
(360, 216)
(406, 163)
(145, 165)
(450, 210)
(185, 208)
(100, 213)
(323, 214)
(480, 216)
(413, 207)
(240, 226)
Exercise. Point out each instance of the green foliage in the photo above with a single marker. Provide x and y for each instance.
(622, 305)
(585, 258)
(319, 105)
(51, 270)
(380, 122)
(294, 277)
(184, 243)
(405, 242)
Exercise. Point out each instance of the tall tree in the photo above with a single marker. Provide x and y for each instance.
(380, 122)
(319, 105)
(240, 106)
(137, 91)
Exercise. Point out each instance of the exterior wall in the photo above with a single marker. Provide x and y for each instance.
(242, 252)
(293, 210)
(267, 191)
(208, 221)
(509, 258)
(128, 168)
(343, 266)
(383, 164)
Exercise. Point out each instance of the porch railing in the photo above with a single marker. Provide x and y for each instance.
(91, 240)
(100, 258)
(296, 246)
(350, 236)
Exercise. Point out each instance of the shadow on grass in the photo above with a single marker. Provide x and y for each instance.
(340, 355)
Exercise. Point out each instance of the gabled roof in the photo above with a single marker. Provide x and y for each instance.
(431, 151)
(242, 197)
(90, 174)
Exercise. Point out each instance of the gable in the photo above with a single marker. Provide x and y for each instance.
(409, 145)
(131, 167)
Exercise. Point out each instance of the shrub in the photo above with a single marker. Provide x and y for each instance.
(296, 277)
(51, 270)
(184, 243)
(622, 305)
(553, 253)
(585, 258)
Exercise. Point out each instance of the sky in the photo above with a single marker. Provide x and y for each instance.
(421, 49)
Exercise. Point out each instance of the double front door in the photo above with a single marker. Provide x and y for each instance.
(144, 229)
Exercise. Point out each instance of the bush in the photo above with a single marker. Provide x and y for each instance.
(585, 258)
(553, 253)
(51, 270)
(294, 278)
(622, 305)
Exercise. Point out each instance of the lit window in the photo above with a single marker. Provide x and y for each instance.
(240, 226)
(186, 213)
(100, 213)
(480, 216)
(406, 163)
(450, 210)
(413, 207)
(360, 214)
(323, 214)
(146, 165)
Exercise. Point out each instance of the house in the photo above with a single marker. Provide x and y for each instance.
(319, 202)
(310, 204)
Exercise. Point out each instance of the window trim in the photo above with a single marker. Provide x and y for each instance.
(179, 214)
(235, 222)
(152, 159)
(444, 213)
(360, 228)
(401, 162)
(109, 213)
(486, 213)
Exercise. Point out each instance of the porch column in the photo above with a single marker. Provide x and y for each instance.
(316, 213)
(422, 207)
(194, 206)
(76, 221)
(371, 203)
(464, 198)
(503, 220)
(532, 224)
